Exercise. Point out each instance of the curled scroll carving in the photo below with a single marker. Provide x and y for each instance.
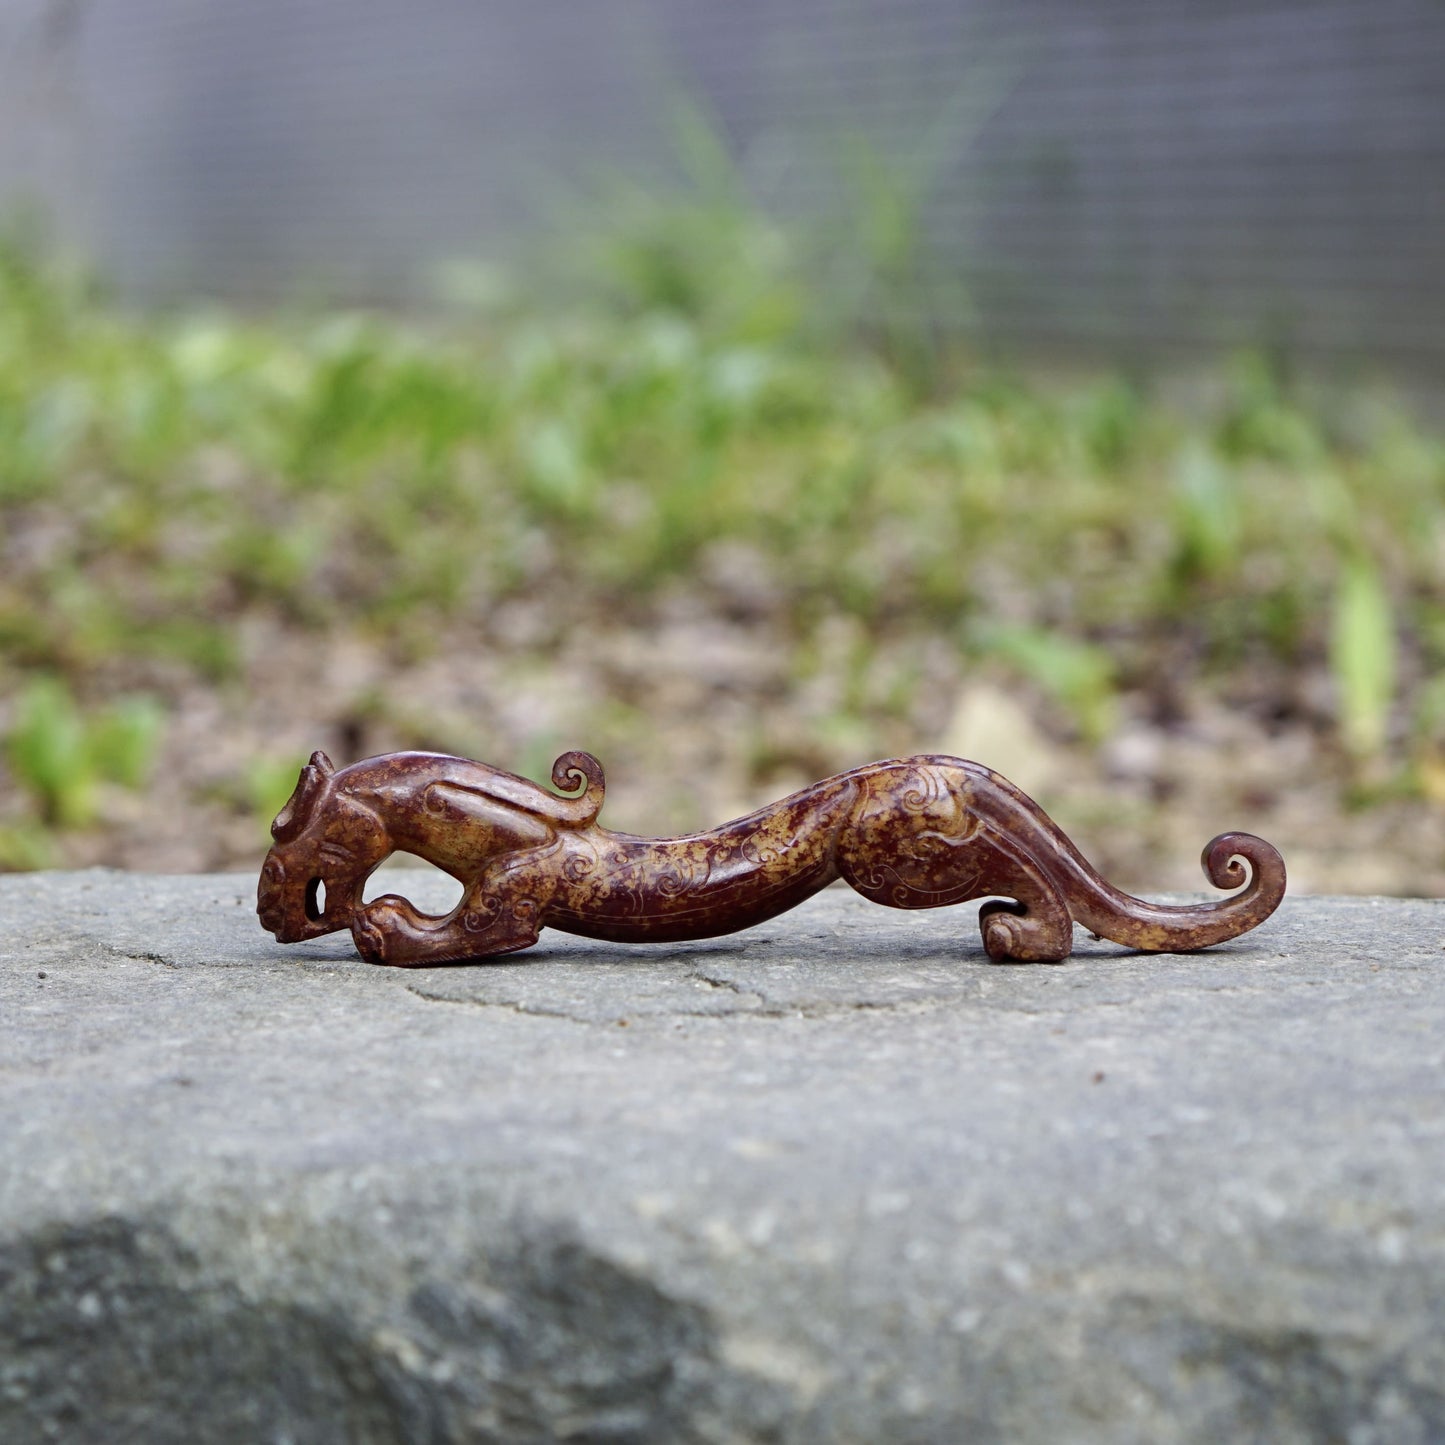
(919, 832)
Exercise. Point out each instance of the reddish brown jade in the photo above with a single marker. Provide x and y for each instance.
(909, 833)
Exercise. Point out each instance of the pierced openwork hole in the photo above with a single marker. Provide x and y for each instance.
(316, 899)
(425, 886)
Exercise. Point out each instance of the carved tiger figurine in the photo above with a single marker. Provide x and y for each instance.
(917, 832)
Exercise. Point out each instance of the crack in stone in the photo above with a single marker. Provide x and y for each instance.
(727, 985)
(765, 1007)
(63, 946)
(131, 955)
(507, 1005)
(163, 959)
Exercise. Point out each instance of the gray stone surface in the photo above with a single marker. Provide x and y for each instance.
(839, 1179)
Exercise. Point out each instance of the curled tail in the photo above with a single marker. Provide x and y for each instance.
(575, 770)
(1181, 928)
(1229, 860)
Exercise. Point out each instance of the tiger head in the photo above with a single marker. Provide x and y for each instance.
(326, 844)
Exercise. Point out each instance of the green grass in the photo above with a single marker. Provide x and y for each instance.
(60, 755)
(162, 476)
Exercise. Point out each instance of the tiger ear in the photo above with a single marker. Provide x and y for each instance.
(293, 817)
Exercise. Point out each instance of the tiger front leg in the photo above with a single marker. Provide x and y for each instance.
(391, 931)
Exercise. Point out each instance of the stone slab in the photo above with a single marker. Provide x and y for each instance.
(838, 1179)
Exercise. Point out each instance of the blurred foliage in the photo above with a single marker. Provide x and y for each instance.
(269, 782)
(46, 751)
(864, 267)
(1077, 674)
(162, 477)
(59, 755)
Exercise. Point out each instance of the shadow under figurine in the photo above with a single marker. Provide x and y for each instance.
(918, 832)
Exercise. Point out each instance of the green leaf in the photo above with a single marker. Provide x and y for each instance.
(557, 469)
(1206, 515)
(25, 848)
(1363, 658)
(47, 753)
(124, 740)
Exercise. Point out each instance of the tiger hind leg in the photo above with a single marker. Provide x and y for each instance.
(1037, 931)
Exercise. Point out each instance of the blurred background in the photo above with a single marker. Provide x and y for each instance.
(741, 392)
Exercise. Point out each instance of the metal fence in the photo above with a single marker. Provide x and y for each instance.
(1111, 176)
